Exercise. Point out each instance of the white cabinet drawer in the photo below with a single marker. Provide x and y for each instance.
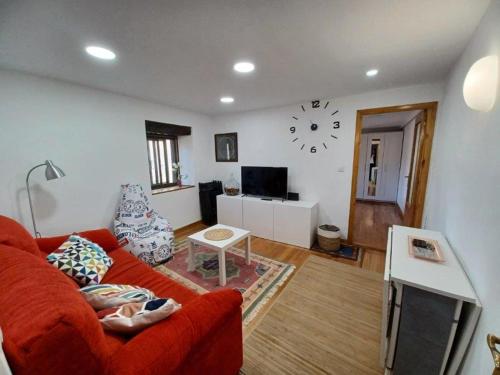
(258, 217)
(229, 211)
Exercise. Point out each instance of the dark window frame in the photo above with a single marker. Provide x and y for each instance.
(156, 150)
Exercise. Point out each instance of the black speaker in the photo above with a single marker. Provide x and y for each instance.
(208, 201)
(293, 196)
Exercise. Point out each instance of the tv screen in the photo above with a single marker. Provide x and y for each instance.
(264, 181)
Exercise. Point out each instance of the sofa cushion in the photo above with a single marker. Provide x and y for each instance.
(127, 269)
(82, 260)
(42, 312)
(202, 321)
(14, 234)
(102, 237)
(104, 296)
(134, 317)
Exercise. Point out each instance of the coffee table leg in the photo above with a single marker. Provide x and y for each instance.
(190, 257)
(222, 268)
(248, 250)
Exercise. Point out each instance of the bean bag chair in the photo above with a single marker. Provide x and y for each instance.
(141, 230)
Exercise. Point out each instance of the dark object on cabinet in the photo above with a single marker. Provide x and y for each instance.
(293, 196)
(208, 201)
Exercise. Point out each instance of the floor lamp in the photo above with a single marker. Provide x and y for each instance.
(51, 173)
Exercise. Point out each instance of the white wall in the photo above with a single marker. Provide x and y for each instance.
(264, 139)
(464, 186)
(98, 139)
(406, 154)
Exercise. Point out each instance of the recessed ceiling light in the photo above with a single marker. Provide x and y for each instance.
(244, 67)
(100, 52)
(372, 72)
(227, 99)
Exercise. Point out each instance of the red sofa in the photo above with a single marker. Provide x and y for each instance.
(48, 327)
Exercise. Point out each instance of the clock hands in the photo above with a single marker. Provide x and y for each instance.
(315, 104)
(313, 126)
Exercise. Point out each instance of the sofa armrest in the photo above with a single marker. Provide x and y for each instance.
(162, 348)
(103, 237)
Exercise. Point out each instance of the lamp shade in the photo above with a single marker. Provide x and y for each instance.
(52, 171)
(480, 84)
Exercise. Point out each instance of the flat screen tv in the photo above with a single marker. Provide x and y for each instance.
(264, 181)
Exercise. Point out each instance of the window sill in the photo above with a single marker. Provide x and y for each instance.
(170, 189)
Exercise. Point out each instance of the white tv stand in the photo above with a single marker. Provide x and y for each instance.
(291, 222)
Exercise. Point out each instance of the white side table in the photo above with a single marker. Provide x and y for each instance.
(219, 246)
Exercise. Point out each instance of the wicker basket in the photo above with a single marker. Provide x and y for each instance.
(329, 237)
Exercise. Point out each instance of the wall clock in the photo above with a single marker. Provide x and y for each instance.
(314, 126)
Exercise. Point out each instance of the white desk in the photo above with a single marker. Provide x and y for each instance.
(425, 294)
(219, 246)
(447, 278)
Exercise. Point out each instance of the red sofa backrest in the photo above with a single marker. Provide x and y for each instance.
(102, 237)
(14, 234)
(48, 327)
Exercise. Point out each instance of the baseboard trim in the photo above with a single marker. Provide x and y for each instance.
(186, 227)
(373, 201)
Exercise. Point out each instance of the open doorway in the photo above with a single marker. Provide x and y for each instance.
(390, 169)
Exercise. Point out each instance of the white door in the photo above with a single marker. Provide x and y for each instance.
(406, 154)
(360, 188)
(391, 163)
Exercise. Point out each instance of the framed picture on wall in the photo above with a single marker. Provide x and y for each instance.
(226, 147)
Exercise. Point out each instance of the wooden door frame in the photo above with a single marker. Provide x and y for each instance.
(424, 158)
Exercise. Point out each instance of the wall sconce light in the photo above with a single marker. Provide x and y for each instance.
(481, 83)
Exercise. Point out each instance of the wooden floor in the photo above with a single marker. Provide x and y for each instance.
(371, 222)
(371, 260)
(326, 321)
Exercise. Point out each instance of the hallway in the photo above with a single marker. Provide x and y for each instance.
(371, 222)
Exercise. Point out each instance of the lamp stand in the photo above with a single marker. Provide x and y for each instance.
(37, 234)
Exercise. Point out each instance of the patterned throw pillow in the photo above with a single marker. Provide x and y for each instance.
(104, 296)
(133, 317)
(81, 259)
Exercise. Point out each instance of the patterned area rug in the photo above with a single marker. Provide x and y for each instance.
(257, 282)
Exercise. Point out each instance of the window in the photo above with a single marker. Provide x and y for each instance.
(163, 151)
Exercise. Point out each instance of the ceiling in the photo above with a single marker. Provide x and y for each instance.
(388, 120)
(181, 53)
